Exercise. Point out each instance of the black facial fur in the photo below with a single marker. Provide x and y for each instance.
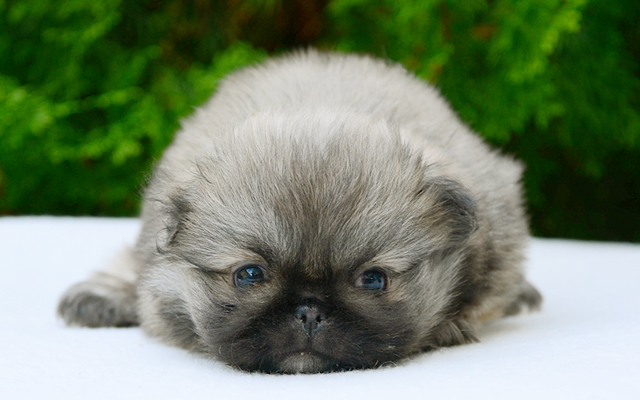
(344, 339)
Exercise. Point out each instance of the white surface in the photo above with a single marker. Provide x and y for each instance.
(583, 345)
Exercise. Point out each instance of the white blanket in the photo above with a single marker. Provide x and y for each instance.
(583, 344)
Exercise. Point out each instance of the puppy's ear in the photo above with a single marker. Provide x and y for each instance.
(452, 209)
(176, 210)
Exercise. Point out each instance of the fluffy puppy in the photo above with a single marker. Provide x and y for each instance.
(321, 212)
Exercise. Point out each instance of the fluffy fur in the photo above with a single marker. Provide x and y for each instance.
(318, 168)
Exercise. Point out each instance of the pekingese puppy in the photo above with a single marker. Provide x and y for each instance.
(321, 212)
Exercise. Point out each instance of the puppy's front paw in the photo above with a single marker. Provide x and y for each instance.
(100, 301)
(453, 333)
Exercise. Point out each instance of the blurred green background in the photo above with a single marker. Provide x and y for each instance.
(92, 91)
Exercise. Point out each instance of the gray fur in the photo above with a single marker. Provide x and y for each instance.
(318, 167)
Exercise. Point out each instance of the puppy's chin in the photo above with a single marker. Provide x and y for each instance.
(303, 362)
(306, 362)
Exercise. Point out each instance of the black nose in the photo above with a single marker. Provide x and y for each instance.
(311, 317)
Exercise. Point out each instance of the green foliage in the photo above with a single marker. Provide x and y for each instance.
(91, 92)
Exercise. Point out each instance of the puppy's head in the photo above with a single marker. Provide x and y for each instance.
(307, 244)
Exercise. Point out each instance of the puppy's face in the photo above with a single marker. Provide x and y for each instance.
(308, 246)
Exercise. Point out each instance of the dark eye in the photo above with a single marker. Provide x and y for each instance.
(249, 275)
(372, 279)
